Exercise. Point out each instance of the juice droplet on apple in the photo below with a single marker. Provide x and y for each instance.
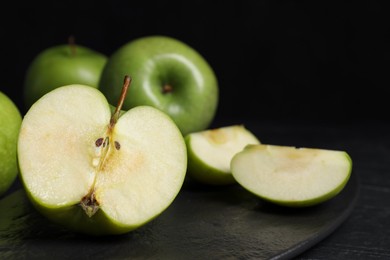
(95, 162)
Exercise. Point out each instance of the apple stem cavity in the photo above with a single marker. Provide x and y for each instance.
(89, 204)
(72, 45)
(167, 88)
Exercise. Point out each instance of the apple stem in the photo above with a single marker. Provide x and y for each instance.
(115, 115)
(72, 45)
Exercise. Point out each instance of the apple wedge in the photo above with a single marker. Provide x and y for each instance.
(210, 152)
(98, 173)
(289, 176)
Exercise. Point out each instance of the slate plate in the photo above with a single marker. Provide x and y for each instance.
(202, 223)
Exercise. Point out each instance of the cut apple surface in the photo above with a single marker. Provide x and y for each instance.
(94, 175)
(292, 176)
(210, 152)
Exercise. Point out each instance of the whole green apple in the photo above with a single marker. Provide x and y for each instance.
(10, 121)
(167, 74)
(62, 65)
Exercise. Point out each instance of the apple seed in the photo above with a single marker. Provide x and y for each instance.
(117, 145)
(99, 142)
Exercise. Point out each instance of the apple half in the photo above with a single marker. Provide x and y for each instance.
(290, 176)
(98, 173)
(210, 152)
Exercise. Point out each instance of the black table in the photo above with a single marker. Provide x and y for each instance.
(365, 234)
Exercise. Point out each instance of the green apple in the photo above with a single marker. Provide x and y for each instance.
(167, 74)
(10, 120)
(289, 176)
(95, 172)
(62, 65)
(210, 152)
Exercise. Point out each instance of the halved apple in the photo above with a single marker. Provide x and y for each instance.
(210, 152)
(290, 176)
(98, 173)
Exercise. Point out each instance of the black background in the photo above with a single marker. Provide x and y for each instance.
(275, 60)
(278, 61)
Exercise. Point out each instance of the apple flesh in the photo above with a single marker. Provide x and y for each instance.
(94, 173)
(290, 176)
(10, 120)
(210, 152)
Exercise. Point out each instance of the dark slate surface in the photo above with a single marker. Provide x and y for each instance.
(229, 223)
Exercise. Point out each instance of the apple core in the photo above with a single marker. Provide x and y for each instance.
(104, 149)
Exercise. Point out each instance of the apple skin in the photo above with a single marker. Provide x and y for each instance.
(75, 219)
(199, 172)
(58, 66)
(155, 61)
(10, 121)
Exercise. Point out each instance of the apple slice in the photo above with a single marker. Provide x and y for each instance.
(210, 152)
(96, 173)
(290, 176)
